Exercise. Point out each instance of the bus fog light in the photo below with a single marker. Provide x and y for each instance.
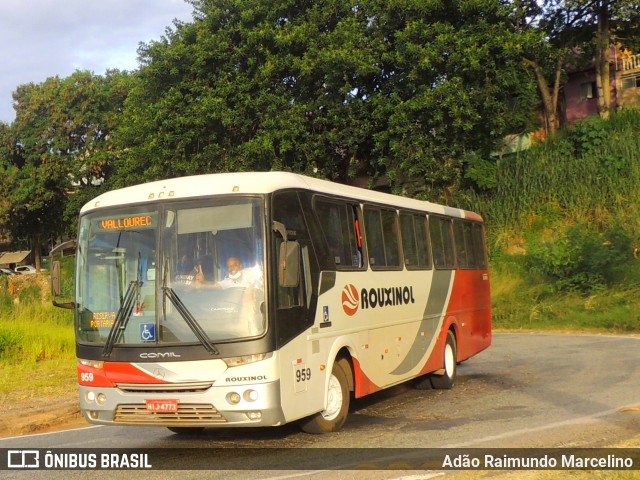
(101, 399)
(92, 414)
(90, 396)
(250, 395)
(254, 415)
(233, 398)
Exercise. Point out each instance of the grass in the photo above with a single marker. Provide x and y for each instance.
(37, 346)
(523, 300)
(24, 381)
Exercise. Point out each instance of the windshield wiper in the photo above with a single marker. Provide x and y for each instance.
(124, 312)
(122, 317)
(168, 292)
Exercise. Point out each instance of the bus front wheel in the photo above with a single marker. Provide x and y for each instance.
(332, 418)
(448, 378)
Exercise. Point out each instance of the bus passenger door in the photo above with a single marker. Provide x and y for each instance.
(301, 381)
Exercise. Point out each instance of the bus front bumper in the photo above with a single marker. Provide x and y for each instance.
(227, 406)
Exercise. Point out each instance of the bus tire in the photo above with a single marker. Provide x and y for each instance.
(333, 417)
(446, 380)
(423, 383)
(187, 430)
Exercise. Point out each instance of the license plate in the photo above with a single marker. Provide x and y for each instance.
(162, 405)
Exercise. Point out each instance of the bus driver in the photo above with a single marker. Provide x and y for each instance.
(236, 276)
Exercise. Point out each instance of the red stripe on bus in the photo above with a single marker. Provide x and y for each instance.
(122, 372)
(363, 385)
(470, 309)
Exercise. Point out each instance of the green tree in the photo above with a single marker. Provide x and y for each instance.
(57, 153)
(331, 88)
(558, 29)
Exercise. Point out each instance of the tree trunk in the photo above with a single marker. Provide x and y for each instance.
(37, 253)
(549, 98)
(603, 79)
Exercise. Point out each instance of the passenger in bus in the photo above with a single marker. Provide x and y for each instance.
(185, 266)
(204, 270)
(237, 276)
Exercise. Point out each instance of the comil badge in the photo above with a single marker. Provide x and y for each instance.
(350, 299)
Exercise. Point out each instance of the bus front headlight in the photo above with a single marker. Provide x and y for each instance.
(246, 359)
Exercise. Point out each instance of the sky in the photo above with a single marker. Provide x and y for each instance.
(44, 38)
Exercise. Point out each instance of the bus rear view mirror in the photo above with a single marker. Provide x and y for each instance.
(62, 274)
(289, 264)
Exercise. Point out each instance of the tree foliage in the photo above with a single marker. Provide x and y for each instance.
(335, 89)
(59, 143)
(571, 34)
(420, 92)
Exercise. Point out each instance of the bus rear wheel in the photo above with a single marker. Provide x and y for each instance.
(446, 380)
(332, 418)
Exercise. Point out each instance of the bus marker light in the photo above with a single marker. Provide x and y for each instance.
(322, 367)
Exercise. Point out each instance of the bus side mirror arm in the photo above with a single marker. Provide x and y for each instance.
(67, 305)
(279, 227)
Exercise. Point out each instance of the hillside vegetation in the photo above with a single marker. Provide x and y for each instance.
(37, 352)
(563, 224)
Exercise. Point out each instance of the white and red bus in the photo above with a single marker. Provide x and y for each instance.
(336, 292)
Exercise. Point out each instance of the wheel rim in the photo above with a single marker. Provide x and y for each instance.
(334, 399)
(449, 361)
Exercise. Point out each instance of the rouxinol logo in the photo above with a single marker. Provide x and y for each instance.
(350, 299)
(374, 298)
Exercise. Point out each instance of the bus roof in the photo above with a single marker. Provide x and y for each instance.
(243, 183)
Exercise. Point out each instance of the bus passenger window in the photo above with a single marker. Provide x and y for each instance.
(415, 241)
(441, 242)
(462, 250)
(381, 230)
(479, 246)
(339, 226)
(391, 243)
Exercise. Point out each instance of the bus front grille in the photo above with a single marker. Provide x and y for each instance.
(194, 387)
(187, 414)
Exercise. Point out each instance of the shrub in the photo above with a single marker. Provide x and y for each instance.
(581, 259)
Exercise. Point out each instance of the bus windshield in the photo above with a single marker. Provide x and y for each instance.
(187, 272)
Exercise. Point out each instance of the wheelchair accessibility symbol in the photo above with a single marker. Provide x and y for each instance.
(148, 332)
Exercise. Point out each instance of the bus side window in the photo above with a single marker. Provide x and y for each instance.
(415, 241)
(339, 226)
(462, 249)
(287, 211)
(422, 237)
(381, 229)
(479, 246)
(441, 242)
(391, 241)
(469, 252)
